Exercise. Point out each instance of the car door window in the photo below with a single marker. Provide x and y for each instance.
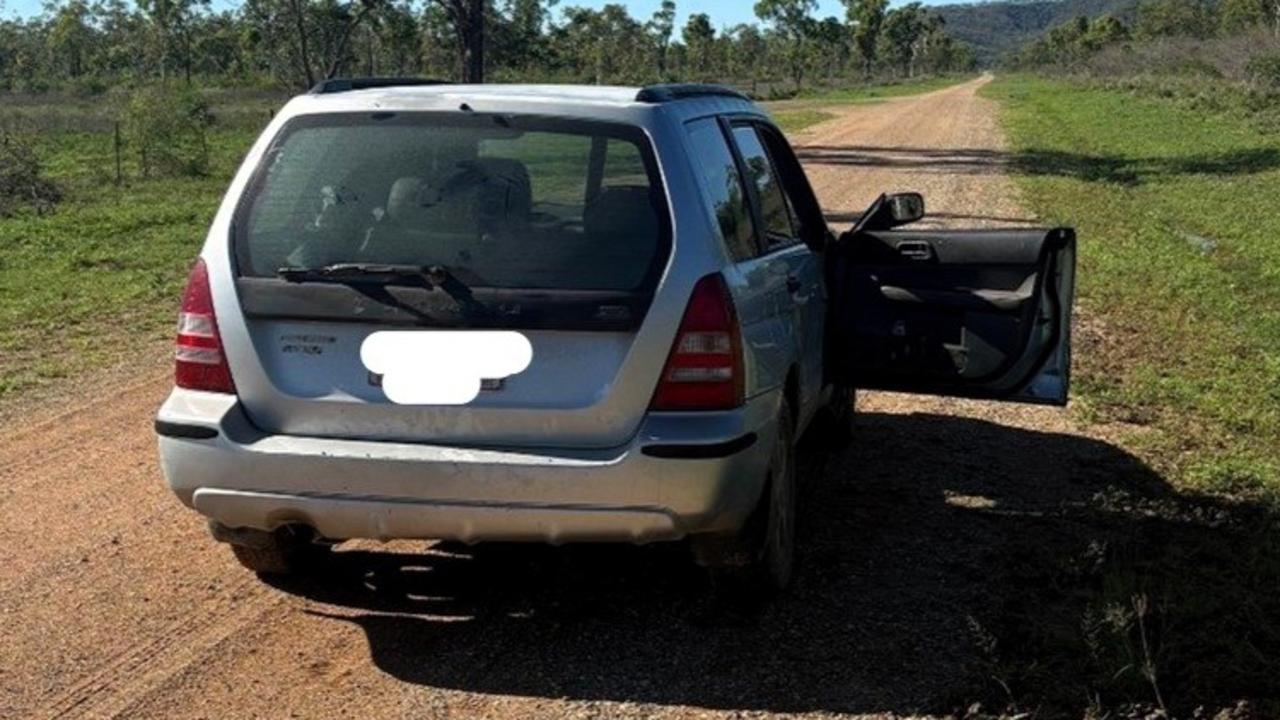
(723, 187)
(775, 210)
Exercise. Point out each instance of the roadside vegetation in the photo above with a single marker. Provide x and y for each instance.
(89, 275)
(1221, 58)
(89, 49)
(1177, 356)
(1159, 133)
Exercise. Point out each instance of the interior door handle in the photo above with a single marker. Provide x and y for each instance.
(793, 284)
(915, 249)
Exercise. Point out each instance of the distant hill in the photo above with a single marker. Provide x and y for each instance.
(993, 28)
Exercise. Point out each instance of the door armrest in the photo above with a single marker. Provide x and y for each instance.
(1007, 301)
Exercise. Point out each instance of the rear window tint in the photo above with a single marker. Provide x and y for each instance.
(774, 210)
(722, 187)
(501, 202)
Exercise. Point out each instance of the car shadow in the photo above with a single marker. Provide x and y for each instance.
(944, 560)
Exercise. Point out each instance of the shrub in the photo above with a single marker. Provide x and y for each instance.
(1197, 67)
(168, 130)
(22, 182)
(1264, 70)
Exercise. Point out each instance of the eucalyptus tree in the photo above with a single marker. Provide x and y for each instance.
(171, 21)
(700, 40)
(71, 36)
(748, 54)
(661, 27)
(792, 20)
(866, 17)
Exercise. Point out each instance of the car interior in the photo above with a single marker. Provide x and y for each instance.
(470, 204)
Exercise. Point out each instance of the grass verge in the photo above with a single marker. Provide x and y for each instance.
(1155, 596)
(1179, 263)
(83, 286)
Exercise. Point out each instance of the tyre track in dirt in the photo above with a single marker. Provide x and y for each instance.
(115, 602)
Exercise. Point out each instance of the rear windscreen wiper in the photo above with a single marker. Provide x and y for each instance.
(435, 276)
(347, 272)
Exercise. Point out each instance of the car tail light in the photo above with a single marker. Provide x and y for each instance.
(200, 363)
(704, 370)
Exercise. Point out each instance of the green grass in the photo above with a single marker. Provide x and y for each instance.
(1161, 592)
(1179, 270)
(103, 272)
(797, 120)
(814, 106)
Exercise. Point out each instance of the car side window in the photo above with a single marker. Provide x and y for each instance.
(723, 187)
(806, 211)
(775, 209)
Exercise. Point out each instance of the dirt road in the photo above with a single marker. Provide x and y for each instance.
(115, 603)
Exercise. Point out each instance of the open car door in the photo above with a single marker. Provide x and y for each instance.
(969, 313)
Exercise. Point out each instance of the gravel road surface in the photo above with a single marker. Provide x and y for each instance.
(116, 604)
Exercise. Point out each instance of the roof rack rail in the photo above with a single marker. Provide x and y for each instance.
(337, 85)
(668, 92)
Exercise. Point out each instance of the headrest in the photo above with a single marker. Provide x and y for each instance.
(505, 197)
(404, 202)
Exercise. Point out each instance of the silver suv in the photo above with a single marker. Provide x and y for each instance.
(689, 313)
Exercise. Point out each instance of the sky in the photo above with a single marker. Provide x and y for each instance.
(723, 12)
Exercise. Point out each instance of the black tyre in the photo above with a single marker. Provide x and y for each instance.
(775, 528)
(759, 559)
(833, 425)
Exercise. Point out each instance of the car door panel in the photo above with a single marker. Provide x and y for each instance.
(793, 217)
(982, 314)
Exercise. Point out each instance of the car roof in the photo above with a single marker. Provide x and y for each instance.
(612, 94)
(630, 104)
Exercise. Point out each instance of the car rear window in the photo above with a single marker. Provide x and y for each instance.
(501, 201)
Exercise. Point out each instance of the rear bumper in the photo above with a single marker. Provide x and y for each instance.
(682, 473)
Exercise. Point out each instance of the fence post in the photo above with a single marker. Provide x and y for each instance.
(119, 179)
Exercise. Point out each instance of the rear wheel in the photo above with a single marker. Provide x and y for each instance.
(762, 553)
(775, 560)
(833, 425)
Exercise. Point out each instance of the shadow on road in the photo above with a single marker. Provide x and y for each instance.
(945, 560)
(1118, 169)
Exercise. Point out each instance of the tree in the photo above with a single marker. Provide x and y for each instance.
(124, 38)
(1239, 15)
(791, 19)
(896, 46)
(603, 45)
(517, 36)
(171, 20)
(699, 38)
(71, 35)
(829, 47)
(1173, 18)
(661, 26)
(304, 40)
(867, 17)
(1103, 31)
(468, 20)
(748, 53)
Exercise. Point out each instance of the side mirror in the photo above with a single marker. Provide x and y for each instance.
(889, 211)
(905, 207)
